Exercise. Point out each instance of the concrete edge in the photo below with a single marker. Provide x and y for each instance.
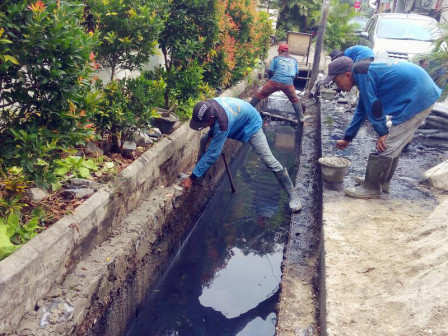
(47, 258)
(45, 261)
(322, 303)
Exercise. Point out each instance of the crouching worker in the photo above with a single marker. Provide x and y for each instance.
(282, 71)
(235, 119)
(402, 90)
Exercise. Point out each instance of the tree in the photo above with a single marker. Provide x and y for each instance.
(189, 34)
(295, 15)
(269, 4)
(339, 33)
(128, 31)
(45, 96)
(319, 43)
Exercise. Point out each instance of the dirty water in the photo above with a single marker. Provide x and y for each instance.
(225, 279)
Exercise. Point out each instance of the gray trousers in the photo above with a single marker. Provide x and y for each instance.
(400, 135)
(261, 147)
(259, 143)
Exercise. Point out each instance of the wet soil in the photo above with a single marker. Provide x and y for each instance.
(298, 308)
(385, 270)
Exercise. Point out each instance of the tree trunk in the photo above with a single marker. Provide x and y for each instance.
(319, 44)
(167, 69)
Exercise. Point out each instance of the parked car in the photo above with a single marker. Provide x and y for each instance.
(400, 36)
(359, 22)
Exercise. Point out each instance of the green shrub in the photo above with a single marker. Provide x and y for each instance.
(339, 34)
(186, 87)
(298, 15)
(45, 98)
(128, 32)
(189, 34)
(75, 166)
(15, 227)
(127, 105)
(244, 36)
(35, 147)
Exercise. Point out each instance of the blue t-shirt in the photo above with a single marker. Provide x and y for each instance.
(359, 53)
(395, 88)
(285, 68)
(244, 121)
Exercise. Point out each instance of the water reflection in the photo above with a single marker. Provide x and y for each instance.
(225, 279)
(244, 283)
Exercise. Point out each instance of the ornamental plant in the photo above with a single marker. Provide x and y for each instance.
(45, 95)
(125, 106)
(244, 37)
(16, 228)
(128, 31)
(189, 34)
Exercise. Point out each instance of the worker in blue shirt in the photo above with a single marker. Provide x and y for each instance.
(282, 71)
(357, 53)
(402, 90)
(235, 119)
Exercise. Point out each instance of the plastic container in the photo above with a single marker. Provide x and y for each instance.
(333, 168)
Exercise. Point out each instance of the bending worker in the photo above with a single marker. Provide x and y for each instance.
(402, 90)
(235, 119)
(357, 53)
(282, 71)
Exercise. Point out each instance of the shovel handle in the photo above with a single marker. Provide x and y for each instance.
(228, 172)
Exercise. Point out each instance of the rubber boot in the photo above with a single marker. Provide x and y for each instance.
(386, 184)
(254, 101)
(299, 113)
(378, 168)
(283, 177)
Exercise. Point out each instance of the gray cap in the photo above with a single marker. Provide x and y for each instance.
(339, 66)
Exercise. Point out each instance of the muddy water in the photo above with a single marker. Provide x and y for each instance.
(225, 279)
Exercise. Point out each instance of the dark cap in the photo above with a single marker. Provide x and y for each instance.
(283, 47)
(202, 112)
(339, 66)
(335, 54)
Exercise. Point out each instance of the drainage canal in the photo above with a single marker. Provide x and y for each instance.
(225, 279)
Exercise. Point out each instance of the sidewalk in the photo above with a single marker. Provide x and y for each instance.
(385, 261)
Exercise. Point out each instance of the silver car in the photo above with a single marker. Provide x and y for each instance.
(400, 36)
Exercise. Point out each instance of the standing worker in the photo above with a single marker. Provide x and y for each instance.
(235, 119)
(282, 72)
(402, 90)
(357, 53)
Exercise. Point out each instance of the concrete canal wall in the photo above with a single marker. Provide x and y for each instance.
(89, 272)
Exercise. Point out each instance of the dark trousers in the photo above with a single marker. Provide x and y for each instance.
(271, 87)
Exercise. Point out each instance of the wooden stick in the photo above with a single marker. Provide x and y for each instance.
(274, 116)
(228, 172)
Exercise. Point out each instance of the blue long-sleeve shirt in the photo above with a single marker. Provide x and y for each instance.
(243, 122)
(359, 52)
(285, 68)
(395, 88)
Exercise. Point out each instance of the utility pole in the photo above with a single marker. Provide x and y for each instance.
(319, 44)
